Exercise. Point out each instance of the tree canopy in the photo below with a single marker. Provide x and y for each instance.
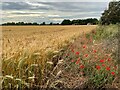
(112, 14)
(92, 21)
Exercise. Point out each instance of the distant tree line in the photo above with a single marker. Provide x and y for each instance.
(92, 21)
(112, 14)
(20, 23)
(64, 22)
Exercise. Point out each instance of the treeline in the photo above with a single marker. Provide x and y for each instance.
(112, 14)
(92, 21)
(23, 23)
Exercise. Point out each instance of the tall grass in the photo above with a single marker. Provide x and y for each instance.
(94, 55)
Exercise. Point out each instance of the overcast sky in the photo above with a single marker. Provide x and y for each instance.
(52, 11)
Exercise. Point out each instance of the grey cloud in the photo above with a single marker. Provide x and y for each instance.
(15, 6)
(58, 6)
(63, 9)
(76, 6)
(21, 6)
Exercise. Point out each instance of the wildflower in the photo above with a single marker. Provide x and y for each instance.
(86, 55)
(98, 67)
(102, 60)
(81, 66)
(94, 51)
(77, 62)
(113, 73)
(84, 46)
(103, 65)
(109, 59)
(77, 53)
(108, 68)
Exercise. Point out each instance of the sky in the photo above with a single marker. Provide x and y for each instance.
(51, 11)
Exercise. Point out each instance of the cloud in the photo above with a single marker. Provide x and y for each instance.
(50, 11)
(57, 0)
(57, 19)
(53, 15)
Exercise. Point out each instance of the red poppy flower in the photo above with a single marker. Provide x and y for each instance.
(94, 51)
(113, 73)
(86, 55)
(103, 65)
(108, 68)
(109, 59)
(98, 67)
(81, 66)
(102, 60)
(77, 62)
(77, 53)
(84, 46)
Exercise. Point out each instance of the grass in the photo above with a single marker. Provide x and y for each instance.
(27, 50)
(94, 56)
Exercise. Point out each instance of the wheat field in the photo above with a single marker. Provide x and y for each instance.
(27, 46)
(32, 38)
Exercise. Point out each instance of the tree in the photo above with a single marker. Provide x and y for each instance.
(112, 14)
(93, 21)
(35, 23)
(66, 22)
(51, 23)
(43, 23)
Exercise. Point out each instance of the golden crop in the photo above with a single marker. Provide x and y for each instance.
(32, 38)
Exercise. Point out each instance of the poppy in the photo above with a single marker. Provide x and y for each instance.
(81, 66)
(108, 68)
(84, 46)
(113, 73)
(77, 53)
(103, 65)
(102, 60)
(94, 51)
(98, 67)
(77, 62)
(86, 55)
(109, 59)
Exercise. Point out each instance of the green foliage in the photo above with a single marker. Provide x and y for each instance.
(92, 21)
(112, 14)
(66, 22)
(100, 66)
(105, 32)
